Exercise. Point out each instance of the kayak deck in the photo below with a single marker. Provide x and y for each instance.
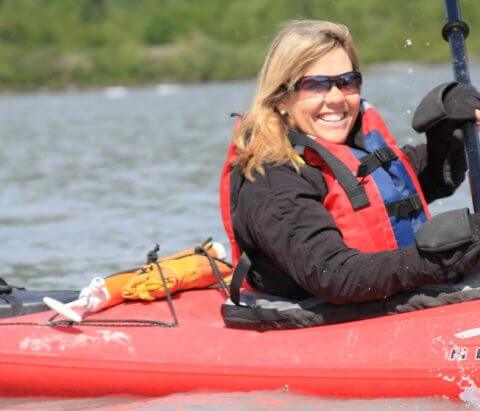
(405, 355)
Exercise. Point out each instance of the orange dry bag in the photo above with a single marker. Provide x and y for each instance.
(182, 271)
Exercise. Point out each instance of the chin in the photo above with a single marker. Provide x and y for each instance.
(336, 133)
(335, 137)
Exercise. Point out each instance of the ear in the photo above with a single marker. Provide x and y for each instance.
(281, 107)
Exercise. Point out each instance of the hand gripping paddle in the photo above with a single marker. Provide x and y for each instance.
(455, 31)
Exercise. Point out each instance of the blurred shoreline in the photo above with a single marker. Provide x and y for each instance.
(112, 88)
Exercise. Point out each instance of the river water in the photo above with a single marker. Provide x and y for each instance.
(91, 180)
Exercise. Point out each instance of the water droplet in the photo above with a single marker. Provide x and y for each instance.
(410, 71)
(427, 44)
(408, 111)
(408, 43)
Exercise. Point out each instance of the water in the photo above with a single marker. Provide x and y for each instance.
(92, 180)
(258, 401)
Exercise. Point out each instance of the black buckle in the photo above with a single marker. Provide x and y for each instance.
(363, 170)
(385, 154)
(374, 160)
(403, 208)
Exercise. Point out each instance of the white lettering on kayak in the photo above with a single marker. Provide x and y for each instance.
(457, 354)
(67, 342)
(474, 332)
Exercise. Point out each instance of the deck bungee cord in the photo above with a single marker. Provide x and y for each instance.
(200, 267)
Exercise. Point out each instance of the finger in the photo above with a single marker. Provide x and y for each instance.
(477, 115)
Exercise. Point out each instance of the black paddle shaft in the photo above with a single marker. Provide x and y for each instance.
(455, 31)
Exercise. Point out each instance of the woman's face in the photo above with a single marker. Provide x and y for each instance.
(327, 114)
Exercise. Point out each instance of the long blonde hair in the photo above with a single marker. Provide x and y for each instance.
(262, 134)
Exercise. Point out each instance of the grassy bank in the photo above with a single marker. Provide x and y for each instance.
(58, 43)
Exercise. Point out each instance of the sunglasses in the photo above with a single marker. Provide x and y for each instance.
(347, 83)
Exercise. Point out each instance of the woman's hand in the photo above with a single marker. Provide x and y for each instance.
(448, 105)
(477, 115)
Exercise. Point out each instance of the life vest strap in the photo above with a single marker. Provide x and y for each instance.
(402, 208)
(353, 188)
(238, 275)
(372, 161)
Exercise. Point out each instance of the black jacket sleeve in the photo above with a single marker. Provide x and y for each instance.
(281, 218)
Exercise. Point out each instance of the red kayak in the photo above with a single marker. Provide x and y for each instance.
(424, 353)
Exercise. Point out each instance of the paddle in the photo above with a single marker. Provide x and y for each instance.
(67, 310)
(455, 31)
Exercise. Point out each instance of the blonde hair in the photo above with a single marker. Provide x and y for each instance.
(262, 134)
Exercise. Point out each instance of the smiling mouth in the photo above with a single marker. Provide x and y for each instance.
(332, 117)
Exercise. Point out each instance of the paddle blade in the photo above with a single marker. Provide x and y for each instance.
(64, 309)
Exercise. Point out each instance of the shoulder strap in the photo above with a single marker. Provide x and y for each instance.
(354, 190)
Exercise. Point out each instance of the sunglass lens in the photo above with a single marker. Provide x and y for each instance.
(316, 85)
(350, 82)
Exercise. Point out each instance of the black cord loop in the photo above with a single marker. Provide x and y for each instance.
(203, 251)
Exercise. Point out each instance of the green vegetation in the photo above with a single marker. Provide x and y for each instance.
(58, 43)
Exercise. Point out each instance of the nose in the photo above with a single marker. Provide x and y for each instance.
(334, 96)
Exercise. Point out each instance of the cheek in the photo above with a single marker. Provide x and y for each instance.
(354, 104)
(300, 120)
(302, 112)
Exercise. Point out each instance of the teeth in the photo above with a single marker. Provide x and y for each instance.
(332, 117)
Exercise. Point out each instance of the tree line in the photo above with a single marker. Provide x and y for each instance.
(59, 43)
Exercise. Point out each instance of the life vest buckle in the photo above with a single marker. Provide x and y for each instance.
(370, 162)
(403, 208)
(385, 155)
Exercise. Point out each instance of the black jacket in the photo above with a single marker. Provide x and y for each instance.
(297, 250)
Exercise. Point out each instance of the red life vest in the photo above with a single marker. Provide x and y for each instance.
(392, 206)
(225, 195)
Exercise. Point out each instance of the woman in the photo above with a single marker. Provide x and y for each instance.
(353, 228)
